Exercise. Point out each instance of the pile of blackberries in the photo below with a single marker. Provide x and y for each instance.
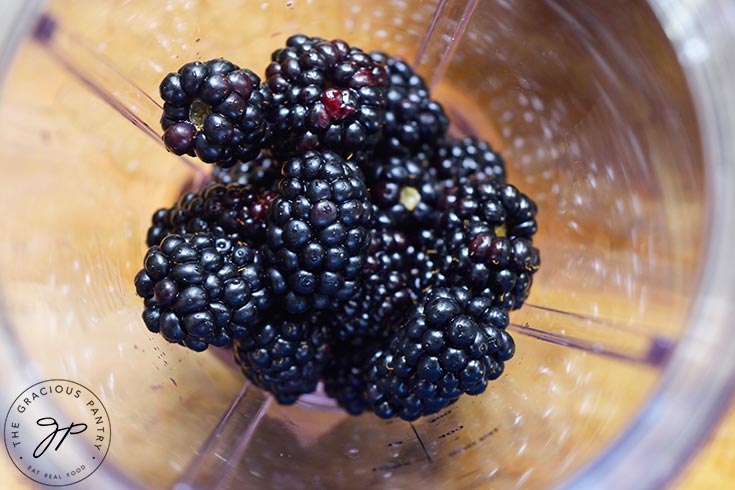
(344, 236)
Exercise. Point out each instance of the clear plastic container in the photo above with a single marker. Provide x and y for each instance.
(615, 116)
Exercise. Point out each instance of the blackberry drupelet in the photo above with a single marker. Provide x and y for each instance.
(487, 231)
(284, 355)
(264, 172)
(214, 110)
(326, 95)
(452, 343)
(199, 290)
(345, 375)
(384, 296)
(429, 262)
(414, 122)
(235, 211)
(456, 159)
(318, 231)
(404, 190)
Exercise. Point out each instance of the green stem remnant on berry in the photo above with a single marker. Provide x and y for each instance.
(215, 111)
(198, 113)
(410, 198)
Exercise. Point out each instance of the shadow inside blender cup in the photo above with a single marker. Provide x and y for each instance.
(592, 113)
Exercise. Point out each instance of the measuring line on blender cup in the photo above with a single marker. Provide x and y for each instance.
(404, 460)
(447, 444)
(473, 443)
(129, 99)
(450, 432)
(423, 447)
(439, 417)
(400, 442)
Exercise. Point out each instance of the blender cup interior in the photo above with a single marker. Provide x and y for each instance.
(593, 115)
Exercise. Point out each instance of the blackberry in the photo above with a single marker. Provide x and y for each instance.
(326, 95)
(199, 290)
(452, 343)
(429, 261)
(413, 120)
(487, 231)
(318, 230)
(503, 206)
(377, 309)
(284, 355)
(456, 159)
(263, 172)
(345, 375)
(214, 110)
(234, 211)
(404, 189)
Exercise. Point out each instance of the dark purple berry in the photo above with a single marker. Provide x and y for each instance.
(446, 347)
(318, 232)
(284, 355)
(414, 122)
(200, 290)
(457, 159)
(325, 95)
(216, 111)
(486, 228)
(235, 211)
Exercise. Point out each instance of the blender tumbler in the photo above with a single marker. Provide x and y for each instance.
(614, 116)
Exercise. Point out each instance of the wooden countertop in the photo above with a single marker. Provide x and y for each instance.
(714, 466)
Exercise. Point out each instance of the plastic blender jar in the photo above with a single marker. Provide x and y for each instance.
(614, 116)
